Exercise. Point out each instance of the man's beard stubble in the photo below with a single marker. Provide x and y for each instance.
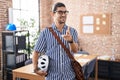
(62, 22)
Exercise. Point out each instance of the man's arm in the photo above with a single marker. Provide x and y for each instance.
(35, 60)
(35, 64)
(68, 37)
(74, 47)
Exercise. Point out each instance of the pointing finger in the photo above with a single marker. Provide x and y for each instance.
(68, 30)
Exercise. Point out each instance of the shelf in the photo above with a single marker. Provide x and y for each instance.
(15, 51)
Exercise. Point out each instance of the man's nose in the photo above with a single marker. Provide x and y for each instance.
(63, 14)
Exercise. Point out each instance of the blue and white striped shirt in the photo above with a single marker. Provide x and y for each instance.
(60, 66)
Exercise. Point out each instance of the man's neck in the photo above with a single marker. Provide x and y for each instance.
(60, 27)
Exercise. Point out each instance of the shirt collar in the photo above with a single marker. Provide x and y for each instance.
(55, 28)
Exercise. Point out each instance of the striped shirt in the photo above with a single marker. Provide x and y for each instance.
(59, 66)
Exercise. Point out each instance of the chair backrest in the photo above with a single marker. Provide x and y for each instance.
(89, 68)
(29, 61)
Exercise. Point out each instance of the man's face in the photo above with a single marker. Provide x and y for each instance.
(60, 15)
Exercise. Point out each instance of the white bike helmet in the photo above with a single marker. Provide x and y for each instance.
(43, 63)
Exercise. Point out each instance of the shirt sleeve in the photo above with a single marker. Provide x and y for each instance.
(40, 45)
(75, 35)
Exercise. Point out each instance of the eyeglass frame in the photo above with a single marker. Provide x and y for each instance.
(61, 12)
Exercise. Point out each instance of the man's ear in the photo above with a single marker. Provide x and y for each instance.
(51, 13)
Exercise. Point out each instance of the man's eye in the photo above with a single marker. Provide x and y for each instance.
(60, 11)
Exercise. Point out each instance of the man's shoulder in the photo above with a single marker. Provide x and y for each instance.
(44, 29)
(72, 28)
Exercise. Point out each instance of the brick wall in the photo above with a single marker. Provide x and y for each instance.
(45, 17)
(101, 44)
(4, 5)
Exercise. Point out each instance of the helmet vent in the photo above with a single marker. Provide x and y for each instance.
(42, 63)
(44, 59)
(43, 66)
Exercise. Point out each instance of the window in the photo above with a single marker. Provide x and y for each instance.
(25, 15)
(24, 10)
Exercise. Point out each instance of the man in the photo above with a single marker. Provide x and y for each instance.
(59, 66)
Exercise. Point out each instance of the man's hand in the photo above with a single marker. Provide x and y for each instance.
(69, 39)
(42, 73)
(68, 36)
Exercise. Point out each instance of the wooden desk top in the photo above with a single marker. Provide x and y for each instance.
(83, 59)
(108, 57)
(27, 71)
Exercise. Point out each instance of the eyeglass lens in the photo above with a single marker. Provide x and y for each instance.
(61, 12)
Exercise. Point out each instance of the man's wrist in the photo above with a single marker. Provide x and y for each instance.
(70, 41)
(35, 70)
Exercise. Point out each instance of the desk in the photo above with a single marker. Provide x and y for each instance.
(27, 71)
(86, 59)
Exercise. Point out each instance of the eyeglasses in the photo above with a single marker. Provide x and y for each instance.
(61, 12)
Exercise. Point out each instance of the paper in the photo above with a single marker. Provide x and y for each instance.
(88, 29)
(77, 55)
(83, 60)
(104, 57)
(88, 20)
